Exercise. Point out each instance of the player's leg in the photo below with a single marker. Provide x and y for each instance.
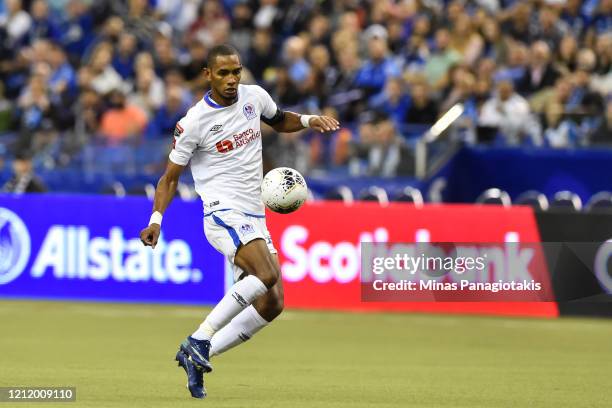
(262, 273)
(251, 320)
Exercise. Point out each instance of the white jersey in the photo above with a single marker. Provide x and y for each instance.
(224, 146)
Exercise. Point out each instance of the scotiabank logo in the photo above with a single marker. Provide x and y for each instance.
(320, 248)
(323, 261)
(322, 243)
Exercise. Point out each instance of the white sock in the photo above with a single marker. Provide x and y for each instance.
(240, 296)
(240, 329)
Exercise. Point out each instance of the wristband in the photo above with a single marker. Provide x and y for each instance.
(305, 119)
(156, 218)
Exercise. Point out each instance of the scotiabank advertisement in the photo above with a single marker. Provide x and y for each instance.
(320, 251)
(88, 247)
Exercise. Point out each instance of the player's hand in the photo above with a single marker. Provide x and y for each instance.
(150, 235)
(324, 124)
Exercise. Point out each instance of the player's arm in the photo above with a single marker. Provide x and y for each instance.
(287, 122)
(165, 191)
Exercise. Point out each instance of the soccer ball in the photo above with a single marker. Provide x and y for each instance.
(283, 190)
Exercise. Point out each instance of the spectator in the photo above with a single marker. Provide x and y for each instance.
(549, 28)
(179, 14)
(267, 14)
(125, 55)
(242, 27)
(465, 40)
(541, 73)
(565, 61)
(201, 29)
(462, 90)
(494, 46)
(517, 22)
(34, 104)
(16, 22)
(260, 54)
(417, 47)
(286, 92)
(193, 67)
(63, 79)
(322, 75)
(422, 110)
(88, 113)
(344, 96)
(122, 122)
(140, 22)
(319, 30)
(510, 114)
(375, 72)
(24, 180)
(393, 100)
(76, 31)
(42, 24)
(383, 149)
(168, 114)
(441, 59)
(516, 68)
(165, 56)
(294, 56)
(149, 92)
(99, 73)
(573, 17)
(174, 78)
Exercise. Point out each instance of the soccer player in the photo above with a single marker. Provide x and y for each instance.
(221, 137)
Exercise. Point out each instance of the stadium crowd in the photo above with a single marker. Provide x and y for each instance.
(78, 73)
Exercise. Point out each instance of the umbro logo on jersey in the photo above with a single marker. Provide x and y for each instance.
(216, 128)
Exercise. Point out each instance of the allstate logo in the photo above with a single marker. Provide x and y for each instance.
(14, 246)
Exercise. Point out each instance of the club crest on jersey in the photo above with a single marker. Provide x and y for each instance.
(246, 229)
(178, 130)
(249, 111)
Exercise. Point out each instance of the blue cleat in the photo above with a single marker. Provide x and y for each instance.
(198, 352)
(195, 377)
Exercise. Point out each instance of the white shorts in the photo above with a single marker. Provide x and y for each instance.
(226, 230)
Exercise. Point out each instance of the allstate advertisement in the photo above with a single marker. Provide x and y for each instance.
(88, 247)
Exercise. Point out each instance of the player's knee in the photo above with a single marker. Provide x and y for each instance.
(268, 274)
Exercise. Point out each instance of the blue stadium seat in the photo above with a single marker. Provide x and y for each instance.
(601, 201)
(340, 193)
(534, 199)
(566, 200)
(374, 193)
(409, 194)
(116, 188)
(494, 196)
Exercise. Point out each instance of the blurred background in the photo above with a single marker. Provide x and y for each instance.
(90, 93)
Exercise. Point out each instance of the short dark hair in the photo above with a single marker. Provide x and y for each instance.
(222, 49)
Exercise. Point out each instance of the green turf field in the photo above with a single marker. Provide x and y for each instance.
(122, 356)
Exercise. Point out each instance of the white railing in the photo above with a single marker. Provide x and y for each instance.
(432, 135)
